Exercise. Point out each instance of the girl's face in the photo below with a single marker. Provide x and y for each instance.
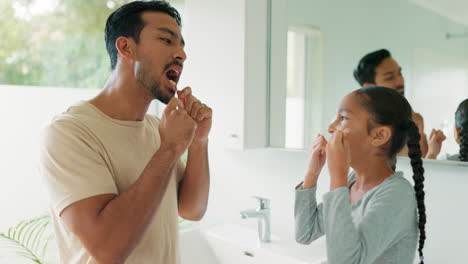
(352, 118)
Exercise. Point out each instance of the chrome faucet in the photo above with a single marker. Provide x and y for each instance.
(262, 213)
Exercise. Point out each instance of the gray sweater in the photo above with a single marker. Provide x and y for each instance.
(380, 228)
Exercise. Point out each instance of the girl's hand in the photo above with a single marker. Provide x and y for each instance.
(317, 161)
(339, 159)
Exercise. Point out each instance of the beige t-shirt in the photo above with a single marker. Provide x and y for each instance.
(87, 153)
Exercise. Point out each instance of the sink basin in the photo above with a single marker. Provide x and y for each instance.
(231, 244)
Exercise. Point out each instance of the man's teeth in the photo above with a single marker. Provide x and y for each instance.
(173, 83)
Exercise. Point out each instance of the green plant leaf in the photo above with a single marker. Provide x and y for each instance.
(27, 241)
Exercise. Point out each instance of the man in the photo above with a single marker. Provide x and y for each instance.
(113, 172)
(379, 68)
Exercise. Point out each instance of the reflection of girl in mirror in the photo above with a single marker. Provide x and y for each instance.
(372, 215)
(461, 132)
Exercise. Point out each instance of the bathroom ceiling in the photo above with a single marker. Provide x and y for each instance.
(453, 9)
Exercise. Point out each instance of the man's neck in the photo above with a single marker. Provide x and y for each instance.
(123, 98)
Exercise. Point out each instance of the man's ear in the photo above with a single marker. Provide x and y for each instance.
(126, 48)
(381, 135)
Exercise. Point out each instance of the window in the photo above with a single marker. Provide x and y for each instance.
(302, 85)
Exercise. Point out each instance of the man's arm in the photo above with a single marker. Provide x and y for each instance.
(419, 120)
(111, 226)
(194, 187)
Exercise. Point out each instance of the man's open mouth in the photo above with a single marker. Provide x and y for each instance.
(173, 76)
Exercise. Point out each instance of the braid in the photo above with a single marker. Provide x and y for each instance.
(418, 177)
(464, 142)
(389, 108)
(461, 122)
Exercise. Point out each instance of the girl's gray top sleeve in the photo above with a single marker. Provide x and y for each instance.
(308, 216)
(382, 218)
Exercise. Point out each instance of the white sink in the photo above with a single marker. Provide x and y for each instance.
(231, 244)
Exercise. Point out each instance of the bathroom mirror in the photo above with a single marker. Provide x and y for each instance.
(315, 46)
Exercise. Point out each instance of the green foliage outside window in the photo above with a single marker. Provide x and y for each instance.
(62, 47)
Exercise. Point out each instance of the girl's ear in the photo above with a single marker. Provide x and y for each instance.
(381, 135)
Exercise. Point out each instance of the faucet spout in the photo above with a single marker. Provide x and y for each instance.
(263, 219)
(251, 213)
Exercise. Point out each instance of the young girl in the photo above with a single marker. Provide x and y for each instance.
(461, 132)
(373, 215)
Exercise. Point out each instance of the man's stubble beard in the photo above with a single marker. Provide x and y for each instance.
(153, 85)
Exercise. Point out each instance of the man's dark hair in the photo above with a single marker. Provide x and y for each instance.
(365, 71)
(127, 22)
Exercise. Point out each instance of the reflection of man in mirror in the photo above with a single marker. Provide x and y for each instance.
(379, 68)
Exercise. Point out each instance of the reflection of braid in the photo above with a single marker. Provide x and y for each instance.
(414, 152)
(464, 142)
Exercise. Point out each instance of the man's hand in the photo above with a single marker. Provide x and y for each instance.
(419, 121)
(177, 128)
(199, 112)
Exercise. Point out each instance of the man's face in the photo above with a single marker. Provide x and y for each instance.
(388, 74)
(160, 55)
